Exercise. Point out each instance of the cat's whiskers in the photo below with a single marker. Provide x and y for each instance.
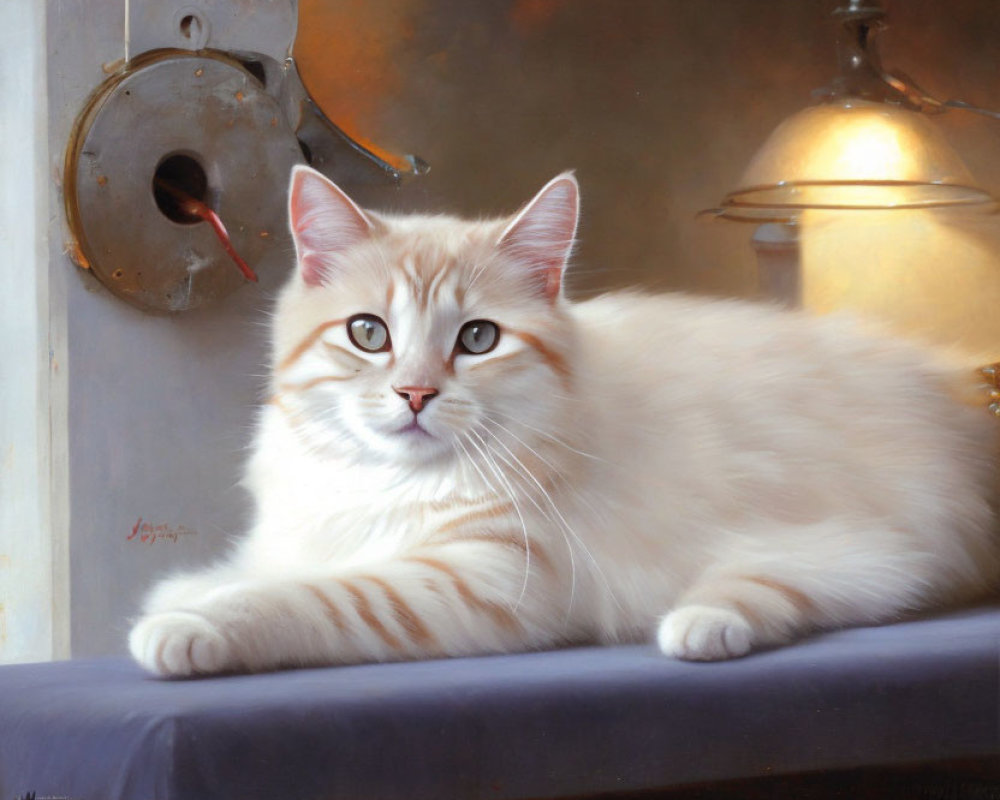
(521, 471)
(556, 472)
(453, 421)
(455, 401)
(555, 439)
(509, 490)
(547, 515)
(527, 544)
(548, 497)
(458, 446)
(517, 510)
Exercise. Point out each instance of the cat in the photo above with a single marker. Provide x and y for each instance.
(458, 460)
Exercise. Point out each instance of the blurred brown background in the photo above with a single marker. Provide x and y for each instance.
(658, 105)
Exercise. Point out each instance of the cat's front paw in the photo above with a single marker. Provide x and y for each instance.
(704, 633)
(179, 644)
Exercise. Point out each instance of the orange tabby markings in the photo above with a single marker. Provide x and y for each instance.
(749, 614)
(336, 348)
(512, 539)
(276, 401)
(452, 502)
(800, 600)
(404, 613)
(364, 608)
(329, 607)
(294, 418)
(300, 349)
(496, 360)
(553, 359)
(439, 280)
(500, 615)
(475, 516)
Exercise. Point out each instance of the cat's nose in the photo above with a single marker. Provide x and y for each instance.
(417, 396)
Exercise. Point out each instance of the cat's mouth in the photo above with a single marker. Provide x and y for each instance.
(414, 428)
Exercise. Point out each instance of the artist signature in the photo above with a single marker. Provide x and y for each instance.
(148, 533)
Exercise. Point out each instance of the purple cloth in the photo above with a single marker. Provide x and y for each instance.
(552, 724)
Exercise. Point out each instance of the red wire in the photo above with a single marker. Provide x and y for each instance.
(220, 230)
(190, 205)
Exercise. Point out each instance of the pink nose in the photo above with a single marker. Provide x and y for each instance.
(416, 395)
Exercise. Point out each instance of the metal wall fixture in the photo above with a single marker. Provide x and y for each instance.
(181, 157)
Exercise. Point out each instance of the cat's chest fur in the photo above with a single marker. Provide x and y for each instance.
(316, 509)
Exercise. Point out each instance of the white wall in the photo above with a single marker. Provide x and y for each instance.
(33, 555)
(110, 418)
(159, 407)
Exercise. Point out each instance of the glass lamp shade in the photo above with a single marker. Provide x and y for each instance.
(852, 154)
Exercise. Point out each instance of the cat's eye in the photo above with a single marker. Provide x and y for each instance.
(369, 333)
(478, 337)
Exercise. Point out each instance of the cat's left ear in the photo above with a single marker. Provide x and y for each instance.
(541, 235)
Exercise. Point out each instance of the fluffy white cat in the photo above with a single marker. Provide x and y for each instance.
(458, 460)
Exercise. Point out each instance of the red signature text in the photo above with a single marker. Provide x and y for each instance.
(148, 533)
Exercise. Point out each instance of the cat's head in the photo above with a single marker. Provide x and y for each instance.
(417, 339)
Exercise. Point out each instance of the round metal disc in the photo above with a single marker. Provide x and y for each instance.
(184, 114)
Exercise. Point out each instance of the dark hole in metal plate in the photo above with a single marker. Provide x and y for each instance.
(185, 176)
(188, 25)
(256, 69)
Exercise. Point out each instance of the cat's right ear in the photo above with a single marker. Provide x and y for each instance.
(324, 222)
(541, 236)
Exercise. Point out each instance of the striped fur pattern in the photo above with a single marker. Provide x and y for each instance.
(715, 475)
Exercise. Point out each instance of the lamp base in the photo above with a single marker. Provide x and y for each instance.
(779, 277)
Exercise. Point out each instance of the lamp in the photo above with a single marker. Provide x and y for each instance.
(869, 144)
(852, 154)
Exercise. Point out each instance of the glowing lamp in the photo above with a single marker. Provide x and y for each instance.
(826, 191)
(852, 154)
(869, 145)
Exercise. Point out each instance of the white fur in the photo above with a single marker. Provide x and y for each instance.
(719, 475)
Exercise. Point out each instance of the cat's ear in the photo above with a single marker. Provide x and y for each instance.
(541, 236)
(324, 222)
